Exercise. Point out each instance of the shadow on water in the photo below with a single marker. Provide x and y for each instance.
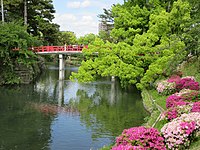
(53, 114)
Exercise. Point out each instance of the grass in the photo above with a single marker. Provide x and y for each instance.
(192, 68)
(195, 145)
(159, 99)
(147, 102)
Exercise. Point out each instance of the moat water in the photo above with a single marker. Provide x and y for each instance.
(64, 115)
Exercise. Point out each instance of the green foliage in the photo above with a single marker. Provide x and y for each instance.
(129, 21)
(87, 39)
(40, 16)
(105, 36)
(13, 36)
(151, 45)
(107, 21)
(112, 60)
(9, 78)
(191, 34)
(192, 68)
(67, 38)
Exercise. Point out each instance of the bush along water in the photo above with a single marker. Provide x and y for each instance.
(139, 138)
(182, 115)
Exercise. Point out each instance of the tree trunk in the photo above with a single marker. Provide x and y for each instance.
(2, 11)
(25, 12)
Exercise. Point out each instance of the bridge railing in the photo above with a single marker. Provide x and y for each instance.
(67, 48)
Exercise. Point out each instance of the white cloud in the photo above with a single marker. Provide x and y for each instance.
(81, 25)
(65, 17)
(79, 4)
(80, 16)
(85, 3)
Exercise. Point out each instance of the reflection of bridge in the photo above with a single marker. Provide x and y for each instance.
(61, 50)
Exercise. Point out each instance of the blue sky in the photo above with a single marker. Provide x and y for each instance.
(80, 16)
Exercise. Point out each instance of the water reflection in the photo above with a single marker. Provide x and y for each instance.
(104, 110)
(60, 92)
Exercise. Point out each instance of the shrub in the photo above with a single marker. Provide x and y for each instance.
(196, 107)
(171, 113)
(174, 100)
(184, 91)
(174, 78)
(139, 138)
(187, 83)
(165, 88)
(177, 111)
(181, 131)
(191, 96)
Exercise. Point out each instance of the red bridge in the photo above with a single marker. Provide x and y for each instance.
(68, 49)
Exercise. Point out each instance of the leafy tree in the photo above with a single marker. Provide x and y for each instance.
(106, 20)
(87, 39)
(67, 37)
(13, 36)
(191, 34)
(151, 40)
(39, 18)
(129, 21)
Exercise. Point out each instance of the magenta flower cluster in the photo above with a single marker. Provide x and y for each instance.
(171, 114)
(196, 107)
(176, 83)
(179, 132)
(177, 111)
(183, 113)
(140, 138)
(174, 78)
(181, 102)
(174, 100)
(184, 83)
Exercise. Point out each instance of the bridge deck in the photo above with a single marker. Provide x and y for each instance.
(69, 49)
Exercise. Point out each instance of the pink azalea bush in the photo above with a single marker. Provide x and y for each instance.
(191, 96)
(184, 97)
(177, 111)
(174, 100)
(165, 88)
(187, 83)
(139, 138)
(184, 92)
(171, 113)
(183, 110)
(196, 107)
(179, 132)
(174, 78)
(128, 147)
(176, 83)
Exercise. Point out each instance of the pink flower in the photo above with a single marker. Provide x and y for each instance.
(140, 137)
(196, 107)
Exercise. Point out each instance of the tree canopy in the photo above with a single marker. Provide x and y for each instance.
(13, 36)
(40, 14)
(148, 43)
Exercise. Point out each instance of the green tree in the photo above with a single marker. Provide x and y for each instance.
(13, 36)
(129, 21)
(144, 54)
(107, 21)
(67, 37)
(86, 39)
(39, 17)
(191, 34)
